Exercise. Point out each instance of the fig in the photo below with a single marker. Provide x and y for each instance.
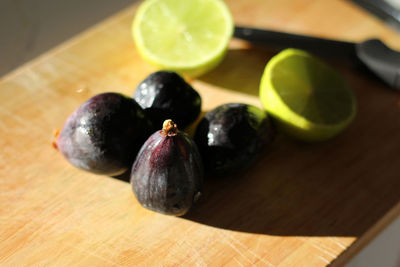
(167, 174)
(166, 95)
(231, 136)
(104, 134)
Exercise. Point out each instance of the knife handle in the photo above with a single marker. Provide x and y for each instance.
(322, 46)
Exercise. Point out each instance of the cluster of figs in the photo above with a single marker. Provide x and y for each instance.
(111, 134)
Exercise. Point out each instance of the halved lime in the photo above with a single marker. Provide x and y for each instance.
(186, 36)
(309, 100)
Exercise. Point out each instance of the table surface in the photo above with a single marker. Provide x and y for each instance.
(299, 204)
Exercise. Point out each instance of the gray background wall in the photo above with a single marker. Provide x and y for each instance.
(29, 28)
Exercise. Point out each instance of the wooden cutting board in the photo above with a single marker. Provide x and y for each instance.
(299, 205)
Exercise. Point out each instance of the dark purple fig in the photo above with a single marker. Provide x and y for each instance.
(166, 95)
(231, 136)
(104, 134)
(167, 174)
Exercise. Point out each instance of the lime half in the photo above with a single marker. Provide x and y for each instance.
(186, 36)
(309, 99)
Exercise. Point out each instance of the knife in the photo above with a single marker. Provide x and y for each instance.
(373, 53)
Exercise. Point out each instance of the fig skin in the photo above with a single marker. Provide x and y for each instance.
(166, 95)
(231, 136)
(167, 174)
(104, 134)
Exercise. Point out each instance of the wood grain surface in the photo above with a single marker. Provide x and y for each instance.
(299, 205)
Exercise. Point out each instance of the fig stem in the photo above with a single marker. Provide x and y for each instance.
(56, 134)
(169, 128)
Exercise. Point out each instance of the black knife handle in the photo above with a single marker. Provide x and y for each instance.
(316, 45)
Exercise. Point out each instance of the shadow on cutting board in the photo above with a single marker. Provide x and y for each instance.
(302, 190)
(241, 70)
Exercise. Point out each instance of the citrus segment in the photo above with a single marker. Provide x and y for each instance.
(189, 37)
(308, 99)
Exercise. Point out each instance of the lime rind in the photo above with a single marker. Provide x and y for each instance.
(289, 120)
(193, 67)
